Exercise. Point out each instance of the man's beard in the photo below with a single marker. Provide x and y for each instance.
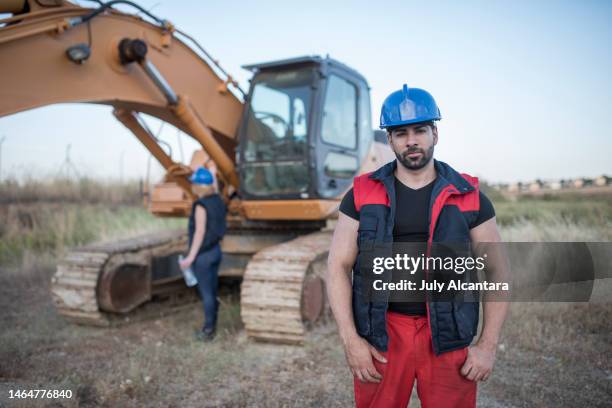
(418, 163)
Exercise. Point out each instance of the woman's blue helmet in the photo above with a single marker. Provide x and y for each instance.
(202, 176)
(408, 105)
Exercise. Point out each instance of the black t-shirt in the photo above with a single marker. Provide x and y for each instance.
(411, 225)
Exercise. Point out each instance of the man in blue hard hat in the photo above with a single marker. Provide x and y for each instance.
(206, 229)
(419, 200)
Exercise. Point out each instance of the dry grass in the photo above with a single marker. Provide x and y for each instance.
(551, 228)
(39, 228)
(47, 217)
(63, 190)
(158, 363)
(551, 354)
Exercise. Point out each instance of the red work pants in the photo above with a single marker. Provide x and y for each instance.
(410, 356)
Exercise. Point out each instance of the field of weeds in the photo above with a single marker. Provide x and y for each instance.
(550, 355)
(46, 219)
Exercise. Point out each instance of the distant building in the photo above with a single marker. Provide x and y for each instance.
(553, 185)
(546, 185)
(502, 186)
(602, 180)
(535, 186)
(515, 187)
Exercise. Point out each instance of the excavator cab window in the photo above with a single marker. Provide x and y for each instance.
(276, 139)
(339, 125)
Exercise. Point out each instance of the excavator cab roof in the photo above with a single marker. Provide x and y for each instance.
(296, 62)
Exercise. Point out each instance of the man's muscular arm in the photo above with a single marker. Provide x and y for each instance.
(340, 262)
(481, 356)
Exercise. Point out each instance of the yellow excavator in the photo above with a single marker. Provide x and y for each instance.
(286, 151)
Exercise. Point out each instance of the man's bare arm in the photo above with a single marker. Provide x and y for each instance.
(495, 310)
(481, 357)
(342, 254)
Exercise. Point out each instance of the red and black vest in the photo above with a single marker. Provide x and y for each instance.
(453, 207)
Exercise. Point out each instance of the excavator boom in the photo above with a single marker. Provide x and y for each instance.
(50, 55)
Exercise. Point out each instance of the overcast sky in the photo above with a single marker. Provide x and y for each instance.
(524, 87)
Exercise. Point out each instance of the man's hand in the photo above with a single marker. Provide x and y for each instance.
(479, 362)
(359, 355)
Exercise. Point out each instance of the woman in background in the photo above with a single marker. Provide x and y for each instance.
(206, 229)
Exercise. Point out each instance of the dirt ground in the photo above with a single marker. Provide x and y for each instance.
(552, 355)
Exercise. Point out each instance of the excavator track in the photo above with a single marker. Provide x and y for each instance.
(282, 291)
(104, 284)
(98, 284)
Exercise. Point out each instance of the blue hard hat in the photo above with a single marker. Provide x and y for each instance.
(408, 105)
(202, 176)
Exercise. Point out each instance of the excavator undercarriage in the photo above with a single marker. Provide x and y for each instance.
(282, 290)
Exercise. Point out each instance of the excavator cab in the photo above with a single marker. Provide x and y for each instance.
(305, 130)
